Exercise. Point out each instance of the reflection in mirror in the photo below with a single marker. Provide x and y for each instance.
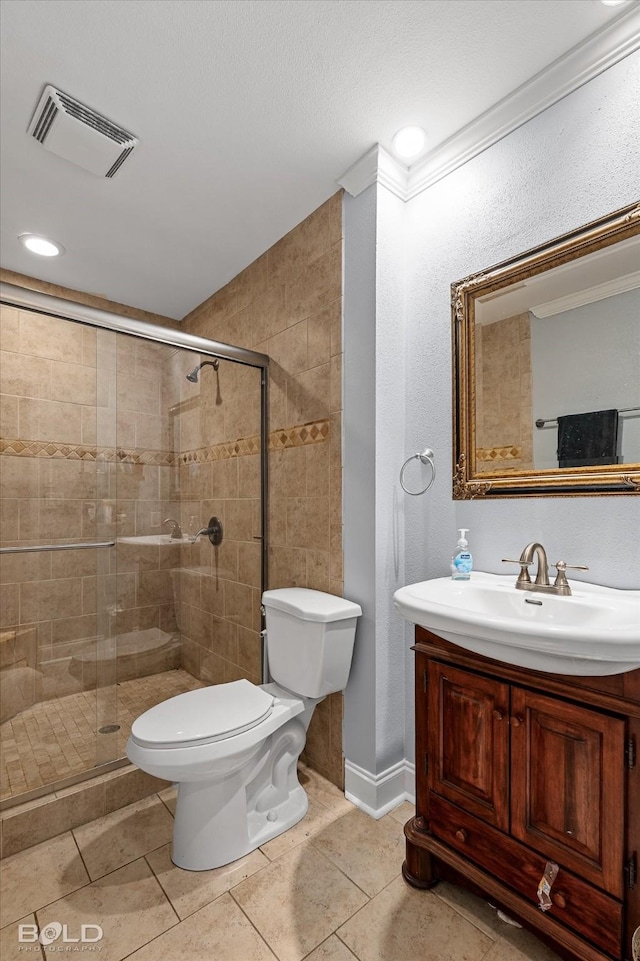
(547, 353)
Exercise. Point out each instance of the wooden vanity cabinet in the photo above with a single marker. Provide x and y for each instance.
(517, 768)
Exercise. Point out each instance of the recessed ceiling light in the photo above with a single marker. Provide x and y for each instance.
(41, 245)
(409, 142)
(612, 3)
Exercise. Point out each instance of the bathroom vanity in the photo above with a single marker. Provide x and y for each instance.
(518, 770)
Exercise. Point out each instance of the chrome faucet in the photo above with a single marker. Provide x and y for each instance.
(541, 584)
(176, 530)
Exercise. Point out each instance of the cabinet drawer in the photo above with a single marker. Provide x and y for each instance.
(591, 913)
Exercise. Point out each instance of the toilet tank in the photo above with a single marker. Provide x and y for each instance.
(310, 638)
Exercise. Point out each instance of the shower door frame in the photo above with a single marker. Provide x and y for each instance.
(24, 298)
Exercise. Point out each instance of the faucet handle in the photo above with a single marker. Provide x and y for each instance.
(561, 584)
(523, 577)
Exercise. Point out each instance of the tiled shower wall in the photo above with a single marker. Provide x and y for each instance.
(74, 469)
(504, 428)
(288, 304)
(216, 431)
(49, 403)
(102, 439)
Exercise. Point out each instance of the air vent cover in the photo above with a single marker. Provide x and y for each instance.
(77, 133)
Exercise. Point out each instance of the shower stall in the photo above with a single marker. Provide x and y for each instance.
(133, 539)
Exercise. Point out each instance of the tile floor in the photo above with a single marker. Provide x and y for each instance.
(329, 889)
(57, 738)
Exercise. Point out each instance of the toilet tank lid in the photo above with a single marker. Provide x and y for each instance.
(310, 605)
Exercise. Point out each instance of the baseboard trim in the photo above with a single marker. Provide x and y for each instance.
(377, 794)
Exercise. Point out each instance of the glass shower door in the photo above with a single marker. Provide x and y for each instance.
(54, 550)
(112, 443)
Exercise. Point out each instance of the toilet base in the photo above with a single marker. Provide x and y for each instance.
(265, 826)
(218, 822)
(233, 841)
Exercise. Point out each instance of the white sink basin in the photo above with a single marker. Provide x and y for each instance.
(596, 631)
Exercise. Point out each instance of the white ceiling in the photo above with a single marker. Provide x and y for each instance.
(248, 112)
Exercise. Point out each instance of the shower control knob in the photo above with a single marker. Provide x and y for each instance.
(214, 531)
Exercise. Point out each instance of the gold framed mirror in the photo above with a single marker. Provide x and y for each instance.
(546, 368)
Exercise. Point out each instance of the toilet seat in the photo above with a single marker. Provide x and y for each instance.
(203, 716)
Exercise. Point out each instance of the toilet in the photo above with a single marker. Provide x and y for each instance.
(233, 748)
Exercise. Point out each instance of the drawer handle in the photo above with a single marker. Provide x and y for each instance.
(498, 714)
(517, 720)
(560, 900)
(461, 835)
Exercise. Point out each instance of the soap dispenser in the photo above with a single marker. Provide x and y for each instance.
(462, 561)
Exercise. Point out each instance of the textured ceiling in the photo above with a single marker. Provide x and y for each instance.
(248, 111)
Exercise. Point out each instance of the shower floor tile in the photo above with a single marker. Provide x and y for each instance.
(56, 739)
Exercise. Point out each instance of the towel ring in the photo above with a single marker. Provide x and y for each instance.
(426, 457)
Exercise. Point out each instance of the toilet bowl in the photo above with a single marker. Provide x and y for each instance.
(233, 748)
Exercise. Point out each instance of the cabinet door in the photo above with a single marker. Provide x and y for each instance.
(567, 787)
(468, 738)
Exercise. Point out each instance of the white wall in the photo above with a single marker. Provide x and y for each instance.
(573, 163)
(374, 405)
(587, 359)
(359, 466)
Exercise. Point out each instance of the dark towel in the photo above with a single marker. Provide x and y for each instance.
(588, 439)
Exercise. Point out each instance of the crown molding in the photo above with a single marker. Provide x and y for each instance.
(376, 166)
(619, 285)
(582, 63)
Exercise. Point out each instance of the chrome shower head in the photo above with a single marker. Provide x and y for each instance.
(193, 376)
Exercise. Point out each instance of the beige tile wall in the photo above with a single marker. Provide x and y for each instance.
(49, 393)
(504, 427)
(216, 431)
(288, 304)
(103, 438)
(74, 468)
(18, 673)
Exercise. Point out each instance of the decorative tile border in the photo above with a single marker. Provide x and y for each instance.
(498, 453)
(85, 452)
(315, 432)
(205, 455)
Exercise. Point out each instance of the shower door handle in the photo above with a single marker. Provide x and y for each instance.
(56, 547)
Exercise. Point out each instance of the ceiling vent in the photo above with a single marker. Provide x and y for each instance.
(71, 130)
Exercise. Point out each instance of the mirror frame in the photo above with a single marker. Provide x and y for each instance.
(467, 482)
